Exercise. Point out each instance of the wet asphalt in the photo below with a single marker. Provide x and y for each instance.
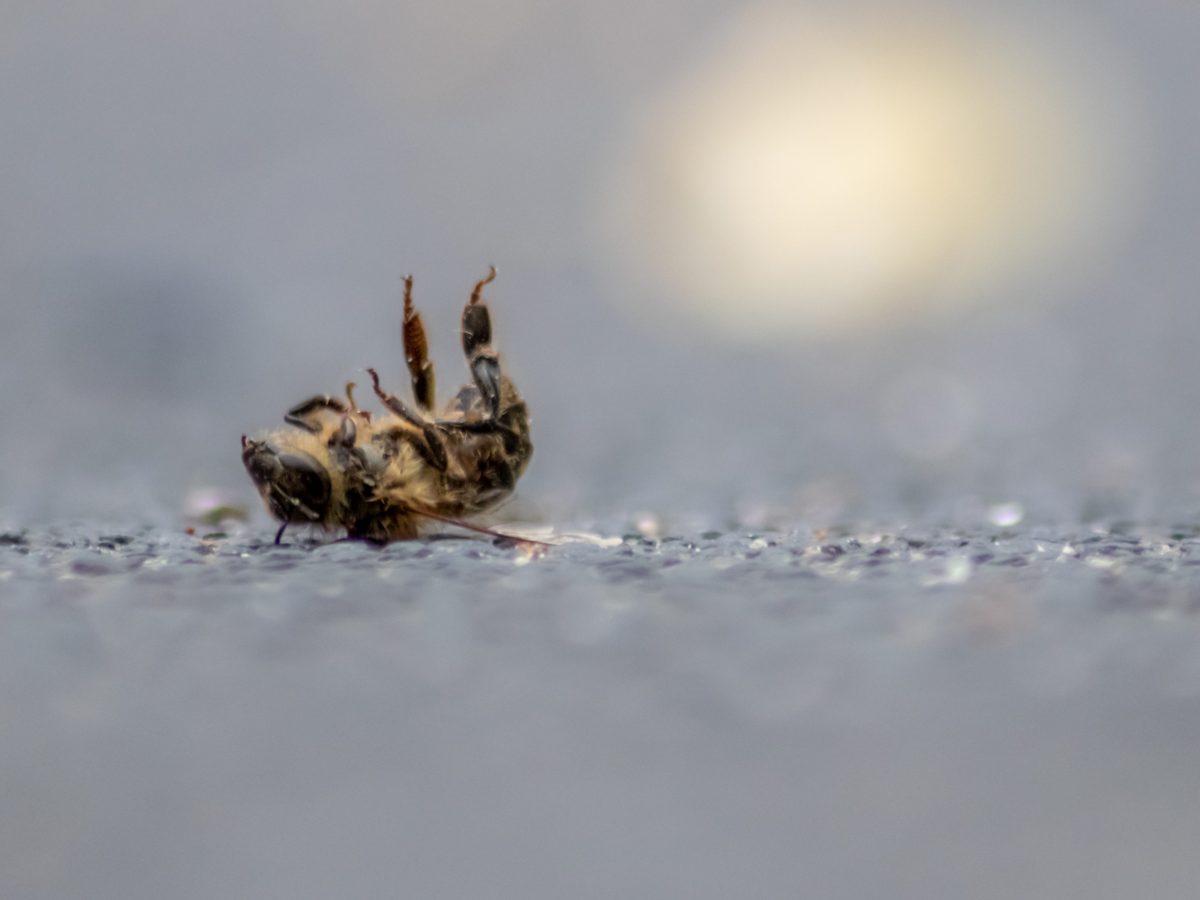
(994, 712)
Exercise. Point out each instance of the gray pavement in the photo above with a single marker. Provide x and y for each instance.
(938, 713)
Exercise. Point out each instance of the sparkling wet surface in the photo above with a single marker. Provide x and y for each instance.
(760, 714)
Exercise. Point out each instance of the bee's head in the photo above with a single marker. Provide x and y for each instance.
(294, 484)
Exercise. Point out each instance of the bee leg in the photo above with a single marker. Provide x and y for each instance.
(476, 324)
(477, 346)
(346, 434)
(485, 370)
(429, 444)
(435, 448)
(279, 533)
(363, 414)
(301, 415)
(528, 543)
(416, 353)
(394, 403)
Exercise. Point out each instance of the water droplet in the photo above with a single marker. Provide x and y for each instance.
(1006, 515)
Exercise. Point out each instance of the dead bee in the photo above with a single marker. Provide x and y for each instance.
(379, 478)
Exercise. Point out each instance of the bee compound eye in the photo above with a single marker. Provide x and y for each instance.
(305, 479)
(260, 461)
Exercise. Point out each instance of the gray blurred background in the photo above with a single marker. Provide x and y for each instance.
(757, 263)
(880, 315)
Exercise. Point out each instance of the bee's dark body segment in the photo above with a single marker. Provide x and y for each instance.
(382, 476)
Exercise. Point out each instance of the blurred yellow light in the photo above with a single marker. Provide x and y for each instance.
(825, 172)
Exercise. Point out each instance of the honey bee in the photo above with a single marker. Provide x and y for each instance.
(380, 478)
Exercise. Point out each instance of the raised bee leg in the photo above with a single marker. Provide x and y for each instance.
(392, 402)
(428, 443)
(477, 345)
(365, 415)
(346, 434)
(481, 359)
(344, 438)
(432, 448)
(416, 353)
(301, 415)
